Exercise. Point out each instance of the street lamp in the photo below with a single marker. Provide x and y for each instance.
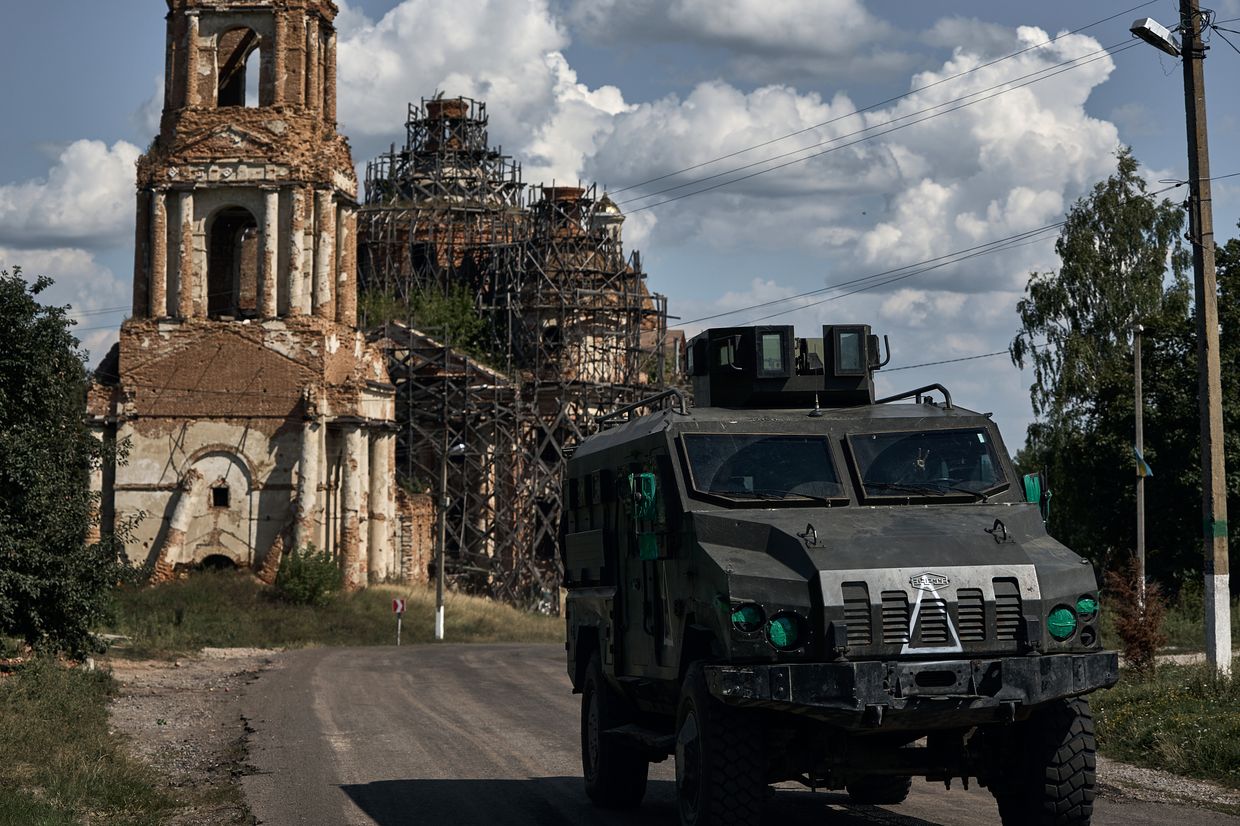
(1201, 234)
(1157, 35)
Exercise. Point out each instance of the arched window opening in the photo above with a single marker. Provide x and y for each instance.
(238, 61)
(252, 63)
(218, 562)
(232, 264)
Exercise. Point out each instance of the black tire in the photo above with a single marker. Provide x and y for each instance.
(615, 771)
(720, 760)
(1050, 768)
(880, 789)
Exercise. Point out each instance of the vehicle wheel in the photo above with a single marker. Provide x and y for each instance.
(720, 760)
(615, 771)
(880, 789)
(1052, 762)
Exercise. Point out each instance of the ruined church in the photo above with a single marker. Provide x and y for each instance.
(255, 416)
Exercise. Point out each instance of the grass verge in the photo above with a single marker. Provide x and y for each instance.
(230, 609)
(61, 765)
(1181, 719)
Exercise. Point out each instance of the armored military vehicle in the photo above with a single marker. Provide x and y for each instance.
(793, 581)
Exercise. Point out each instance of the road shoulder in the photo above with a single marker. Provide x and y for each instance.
(183, 717)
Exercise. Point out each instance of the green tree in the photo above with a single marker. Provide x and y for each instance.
(1227, 260)
(434, 313)
(1122, 263)
(54, 586)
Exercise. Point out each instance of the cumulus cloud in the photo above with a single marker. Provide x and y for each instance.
(81, 281)
(86, 200)
(998, 168)
(902, 192)
(961, 178)
(505, 52)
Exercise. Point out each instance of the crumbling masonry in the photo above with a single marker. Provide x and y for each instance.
(569, 329)
(257, 416)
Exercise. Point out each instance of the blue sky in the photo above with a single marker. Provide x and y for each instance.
(621, 91)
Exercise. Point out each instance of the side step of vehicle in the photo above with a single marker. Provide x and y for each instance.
(656, 745)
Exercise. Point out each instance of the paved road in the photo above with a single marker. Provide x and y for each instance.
(487, 734)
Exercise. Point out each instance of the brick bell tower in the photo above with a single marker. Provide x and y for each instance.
(257, 418)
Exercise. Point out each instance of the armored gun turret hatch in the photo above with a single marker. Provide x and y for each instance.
(770, 367)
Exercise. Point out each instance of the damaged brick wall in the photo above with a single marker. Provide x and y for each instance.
(242, 353)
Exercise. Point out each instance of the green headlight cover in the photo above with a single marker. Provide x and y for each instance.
(1087, 606)
(1061, 623)
(783, 632)
(747, 618)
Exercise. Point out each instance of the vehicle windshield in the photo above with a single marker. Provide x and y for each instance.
(927, 463)
(760, 466)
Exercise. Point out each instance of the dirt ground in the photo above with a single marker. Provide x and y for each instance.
(183, 717)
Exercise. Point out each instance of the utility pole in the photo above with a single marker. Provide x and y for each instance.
(1140, 438)
(442, 545)
(1201, 232)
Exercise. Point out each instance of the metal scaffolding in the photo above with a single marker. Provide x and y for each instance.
(568, 328)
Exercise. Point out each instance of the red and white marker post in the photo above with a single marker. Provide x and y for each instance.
(398, 608)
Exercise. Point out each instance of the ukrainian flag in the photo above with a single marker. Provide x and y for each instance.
(1143, 469)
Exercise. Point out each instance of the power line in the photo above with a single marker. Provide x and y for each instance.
(948, 361)
(1001, 85)
(867, 287)
(882, 103)
(875, 135)
(1010, 242)
(950, 255)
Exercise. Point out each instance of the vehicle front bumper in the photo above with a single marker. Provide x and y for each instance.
(935, 694)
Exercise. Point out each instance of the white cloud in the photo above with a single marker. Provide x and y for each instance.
(146, 117)
(86, 200)
(505, 52)
(79, 280)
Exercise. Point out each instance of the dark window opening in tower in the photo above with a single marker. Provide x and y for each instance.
(219, 496)
(232, 264)
(238, 60)
(217, 562)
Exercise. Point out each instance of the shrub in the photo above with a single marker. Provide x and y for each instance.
(1139, 625)
(308, 577)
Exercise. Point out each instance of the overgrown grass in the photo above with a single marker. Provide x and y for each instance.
(60, 764)
(229, 610)
(1182, 719)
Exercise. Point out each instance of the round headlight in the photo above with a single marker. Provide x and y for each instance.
(1061, 623)
(748, 618)
(1086, 606)
(784, 632)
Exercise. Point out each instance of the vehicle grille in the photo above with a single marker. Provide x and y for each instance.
(932, 619)
(971, 614)
(857, 613)
(1007, 608)
(934, 616)
(895, 617)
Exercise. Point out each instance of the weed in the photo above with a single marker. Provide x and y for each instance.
(1180, 719)
(1138, 622)
(308, 577)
